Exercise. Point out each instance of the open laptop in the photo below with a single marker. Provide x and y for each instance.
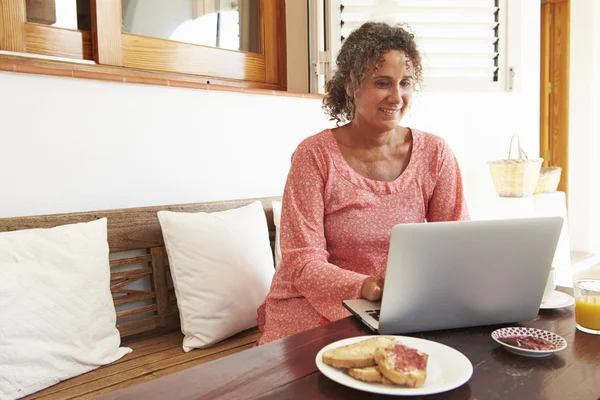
(447, 275)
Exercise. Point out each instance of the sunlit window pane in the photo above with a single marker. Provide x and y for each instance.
(69, 14)
(233, 24)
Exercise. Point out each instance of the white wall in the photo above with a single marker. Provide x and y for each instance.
(69, 145)
(584, 126)
(72, 145)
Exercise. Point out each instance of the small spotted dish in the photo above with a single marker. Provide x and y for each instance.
(529, 342)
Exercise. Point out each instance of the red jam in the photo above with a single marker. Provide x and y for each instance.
(528, 342)
(408, 358)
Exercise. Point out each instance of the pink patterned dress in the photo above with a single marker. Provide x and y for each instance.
(336, 226)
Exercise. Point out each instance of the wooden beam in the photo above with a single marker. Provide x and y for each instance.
(12, 21)
(106, 32)
(272, 14)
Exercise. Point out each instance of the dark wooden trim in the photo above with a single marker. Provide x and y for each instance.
(159, 282)
(121, 262)
(148, 324)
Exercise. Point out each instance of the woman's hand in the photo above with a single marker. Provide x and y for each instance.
(373, 287)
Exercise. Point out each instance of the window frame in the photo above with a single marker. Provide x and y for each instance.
(18, 35)
(128, 54)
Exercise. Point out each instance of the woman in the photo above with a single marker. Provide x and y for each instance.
(347, 187)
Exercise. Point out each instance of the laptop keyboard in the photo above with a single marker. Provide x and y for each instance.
(373, 313)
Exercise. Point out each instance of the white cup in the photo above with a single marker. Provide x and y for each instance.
(550, 285)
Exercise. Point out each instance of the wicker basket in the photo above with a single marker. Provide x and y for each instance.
(515, 177)
(548, 180)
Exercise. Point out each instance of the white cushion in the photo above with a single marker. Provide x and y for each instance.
(276, 219)
(222, 267)
(57, 318)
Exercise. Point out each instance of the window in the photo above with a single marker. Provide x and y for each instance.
(188, 24)
(229, 42)
(60, 28)
(462, 42)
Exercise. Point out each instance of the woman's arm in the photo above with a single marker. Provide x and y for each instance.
(303, 243)
(448, 201)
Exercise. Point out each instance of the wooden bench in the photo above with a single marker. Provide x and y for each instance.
(147, 320)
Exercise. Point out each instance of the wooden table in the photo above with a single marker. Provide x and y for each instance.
(285, 369)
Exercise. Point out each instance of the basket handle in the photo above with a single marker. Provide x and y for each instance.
(521, 153)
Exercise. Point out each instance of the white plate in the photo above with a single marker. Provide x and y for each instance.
(558, 340)
(557, 300)
(447, 368)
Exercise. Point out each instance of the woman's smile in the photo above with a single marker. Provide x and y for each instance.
(392, 112)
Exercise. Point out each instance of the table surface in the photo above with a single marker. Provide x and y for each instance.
(286, 369)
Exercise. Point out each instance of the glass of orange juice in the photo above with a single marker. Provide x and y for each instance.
(587, 305)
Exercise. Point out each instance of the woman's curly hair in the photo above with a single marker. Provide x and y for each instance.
(365, 45)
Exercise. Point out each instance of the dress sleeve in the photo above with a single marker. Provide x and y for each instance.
(303, 242)
(448, 201)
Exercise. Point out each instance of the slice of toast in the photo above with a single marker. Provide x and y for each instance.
(402, 365)
(386, 381)
(357, 355)
(368, 374)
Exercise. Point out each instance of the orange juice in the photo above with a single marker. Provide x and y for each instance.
(587, 312)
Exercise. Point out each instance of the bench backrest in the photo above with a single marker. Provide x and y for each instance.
(137, 230)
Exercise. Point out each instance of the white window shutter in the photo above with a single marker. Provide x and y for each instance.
(461, 41)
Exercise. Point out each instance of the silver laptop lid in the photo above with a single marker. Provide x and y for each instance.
(468, 273)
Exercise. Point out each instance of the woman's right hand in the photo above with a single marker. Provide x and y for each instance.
(373, 287)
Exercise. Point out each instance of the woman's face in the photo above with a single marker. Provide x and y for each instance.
(384, 95)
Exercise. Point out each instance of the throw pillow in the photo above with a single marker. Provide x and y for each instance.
(57, 318)
(222, 267)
